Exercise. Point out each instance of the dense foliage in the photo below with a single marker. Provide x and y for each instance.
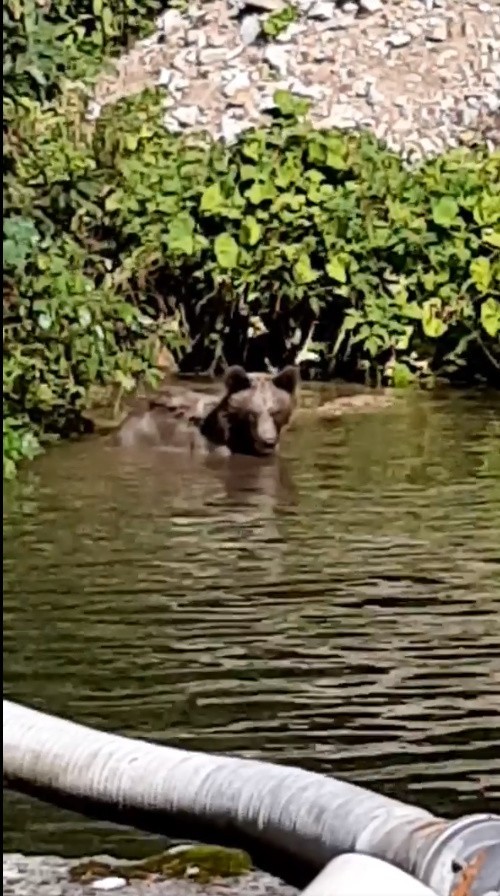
(120, 237)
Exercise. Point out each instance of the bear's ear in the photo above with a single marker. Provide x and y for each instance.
(236, 379)
(287, 379)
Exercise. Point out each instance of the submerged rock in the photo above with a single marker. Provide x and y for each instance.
(361, 402)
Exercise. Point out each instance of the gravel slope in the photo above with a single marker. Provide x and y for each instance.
(422, 74)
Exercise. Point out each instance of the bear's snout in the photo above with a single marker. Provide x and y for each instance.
(267, 435)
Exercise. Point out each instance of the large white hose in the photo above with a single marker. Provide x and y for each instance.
(280, 813)
(359, 875)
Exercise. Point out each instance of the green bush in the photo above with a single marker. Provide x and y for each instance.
(119, 235)
(47, 42)
(294, 230)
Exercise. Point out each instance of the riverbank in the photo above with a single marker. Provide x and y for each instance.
(49, 876)
(295, 242)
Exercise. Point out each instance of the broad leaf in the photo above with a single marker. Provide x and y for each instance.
(226, 251)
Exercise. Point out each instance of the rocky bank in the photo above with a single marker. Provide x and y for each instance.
(50, 876)
(424, 75)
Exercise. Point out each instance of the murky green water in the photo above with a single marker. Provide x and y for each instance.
(339, 609)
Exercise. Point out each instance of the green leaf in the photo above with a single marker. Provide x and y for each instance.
(412, 310)
(226, 251)
(107, 21)
(372, 345)
(487, 210)
(492, 238)
(113, 202)
(352, 320)
(314, 305)
(480, 271)
(212, 200)
(335, 161)
(302, 271)
(490, 317)
(432, 324)
(125, 380)
(260, 192)
(290, 105)
(336, 268)
(250, 231)
(131, 142)
(180, 234)
(401, 375)
(445, 211)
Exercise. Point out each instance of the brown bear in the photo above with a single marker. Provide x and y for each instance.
(247, 418)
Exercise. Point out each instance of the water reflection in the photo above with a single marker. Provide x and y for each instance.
(337, 607)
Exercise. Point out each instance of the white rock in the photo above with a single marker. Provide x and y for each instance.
(165, 77)
(427, 146)
(438, 31)
(360, 88)
(250, 29)
(343, 115)
(240, 81)
(183, 60)
(235, 7)
(187, 115)
(371, 5)
(290, 33)
(232, 127)
(109, 883)
(169, 21)
(217, 39)
(93, 110)
(171, 124)
(265, 102)
(337, 23)
(350, 8)
(310, 91)
(212, 55)
(178, 83)
(373, 96)
(323, 9)
(277, 57)
(399, 39)
(492, 101)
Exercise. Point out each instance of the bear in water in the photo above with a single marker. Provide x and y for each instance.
(247, 418)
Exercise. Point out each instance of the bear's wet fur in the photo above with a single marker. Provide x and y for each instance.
(247, 418)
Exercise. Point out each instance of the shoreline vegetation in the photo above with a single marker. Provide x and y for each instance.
(127, 247)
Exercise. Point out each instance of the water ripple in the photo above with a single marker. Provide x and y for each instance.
(339, 609)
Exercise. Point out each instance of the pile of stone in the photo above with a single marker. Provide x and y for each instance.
(421, 74)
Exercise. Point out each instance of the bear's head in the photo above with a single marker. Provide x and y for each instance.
(255, 408)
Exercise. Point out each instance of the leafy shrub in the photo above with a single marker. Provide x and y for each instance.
(294, 230)
(66, 329)
(119, 235)
(56, 39)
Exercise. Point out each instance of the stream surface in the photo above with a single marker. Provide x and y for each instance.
(338, 608)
